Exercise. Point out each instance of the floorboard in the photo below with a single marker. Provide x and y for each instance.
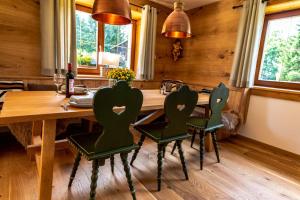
(247, 171)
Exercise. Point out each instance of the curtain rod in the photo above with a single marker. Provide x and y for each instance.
(240, 6)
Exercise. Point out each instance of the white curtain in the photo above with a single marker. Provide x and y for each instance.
(146, 57)
(246, 52)
(58, 35)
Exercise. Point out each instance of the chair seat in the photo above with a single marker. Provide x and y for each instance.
(84, 143)
(155, 131)
(201, 123)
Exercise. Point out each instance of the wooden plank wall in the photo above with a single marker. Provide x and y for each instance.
(19, 38)
(208, 55)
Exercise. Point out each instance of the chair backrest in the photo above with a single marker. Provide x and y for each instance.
(178, 106)
(217, 101)
(116, 132)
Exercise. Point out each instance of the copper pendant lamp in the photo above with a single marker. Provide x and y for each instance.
(115, 12)
(177, 24)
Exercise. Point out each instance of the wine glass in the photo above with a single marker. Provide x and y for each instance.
(58, 81)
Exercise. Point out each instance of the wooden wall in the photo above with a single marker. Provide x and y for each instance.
(208, 55)
(19, 38)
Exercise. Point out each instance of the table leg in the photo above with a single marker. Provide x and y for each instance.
(36, 136)
(208, 138)
(47, 159)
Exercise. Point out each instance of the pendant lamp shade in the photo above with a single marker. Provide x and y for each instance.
(177, 24)
(115, 12)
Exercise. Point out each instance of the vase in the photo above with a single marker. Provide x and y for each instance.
(111, 82)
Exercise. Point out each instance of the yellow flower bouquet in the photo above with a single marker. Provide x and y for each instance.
(121, 74)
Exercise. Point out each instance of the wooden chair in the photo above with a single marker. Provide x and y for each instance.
(178, 106)
(203, 126)
(115, 137)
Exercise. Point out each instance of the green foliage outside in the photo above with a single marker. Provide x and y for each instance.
(86, 39)
(115, 40)
(282, 57)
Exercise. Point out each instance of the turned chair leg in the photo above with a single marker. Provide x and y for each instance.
(128, 174)
(94, 179)
(174, 147)
(74, 170)
(112, 163)
(193, 137)
(214, 137)
(178, 142)
(140, 143)
(159, 165)
(202, 137)
(164, 151)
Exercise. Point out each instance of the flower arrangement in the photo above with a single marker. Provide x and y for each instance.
(121, 74)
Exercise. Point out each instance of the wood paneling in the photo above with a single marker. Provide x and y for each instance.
(208, 55)
(291, 95)
(19, 37)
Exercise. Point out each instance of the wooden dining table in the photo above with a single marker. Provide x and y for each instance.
(47, 107)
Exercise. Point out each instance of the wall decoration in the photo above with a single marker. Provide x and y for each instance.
(177, 50)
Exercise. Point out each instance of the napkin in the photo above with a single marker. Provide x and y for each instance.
(77, 89)
(83, 99)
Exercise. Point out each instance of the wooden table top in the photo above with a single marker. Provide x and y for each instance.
(43, 105)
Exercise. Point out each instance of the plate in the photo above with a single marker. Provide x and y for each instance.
(72, 103)
(82, 93)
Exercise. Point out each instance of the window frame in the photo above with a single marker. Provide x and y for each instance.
(82, 70)
(273, 84)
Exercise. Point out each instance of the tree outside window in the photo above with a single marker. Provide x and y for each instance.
(281, 51)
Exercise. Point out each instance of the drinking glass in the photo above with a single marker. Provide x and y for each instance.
(58, 81)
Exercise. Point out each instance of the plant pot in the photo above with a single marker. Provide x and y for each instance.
(112, 82)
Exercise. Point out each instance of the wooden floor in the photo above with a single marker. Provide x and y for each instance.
(246, 171)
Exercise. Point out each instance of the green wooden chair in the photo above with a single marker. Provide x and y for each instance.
(203, 126)
(178, 106)
(115, 137)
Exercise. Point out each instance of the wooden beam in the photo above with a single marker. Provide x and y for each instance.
(36, 147)
(47, 160)
(37, 157)
(276, 93)
(286, 6)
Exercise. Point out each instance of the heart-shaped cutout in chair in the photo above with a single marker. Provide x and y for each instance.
(180, 107)
(119, 109)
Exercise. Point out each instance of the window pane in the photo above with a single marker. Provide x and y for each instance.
(117, 40)
(86, 39)
(281, 56)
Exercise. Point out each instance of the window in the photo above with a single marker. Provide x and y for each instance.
(92, 37)
(117, 39)
(86, 39)
(279, 57)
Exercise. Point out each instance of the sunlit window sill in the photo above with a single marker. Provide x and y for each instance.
(278, 93)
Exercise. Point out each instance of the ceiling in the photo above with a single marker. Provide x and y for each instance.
(188, 4)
